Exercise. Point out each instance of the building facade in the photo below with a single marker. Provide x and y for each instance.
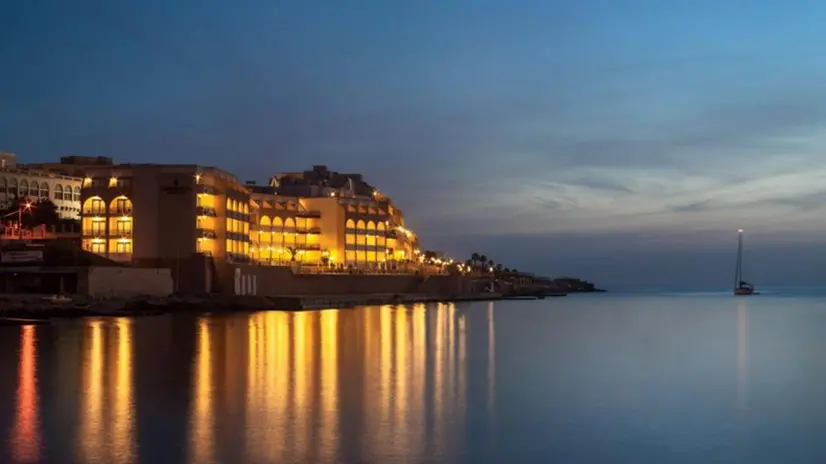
(24, 182)
(327, 218)
(148, 214)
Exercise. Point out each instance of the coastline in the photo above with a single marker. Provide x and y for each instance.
(16, 309)
(33, 308)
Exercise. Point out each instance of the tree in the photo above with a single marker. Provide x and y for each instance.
(19, 209)
(33, 213)
(292, 251)
(45, 212)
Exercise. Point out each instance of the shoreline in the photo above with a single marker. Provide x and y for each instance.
(23, 309)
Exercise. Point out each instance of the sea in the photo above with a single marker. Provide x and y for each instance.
(633, 377)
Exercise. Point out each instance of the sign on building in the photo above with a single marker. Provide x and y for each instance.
(22, 256)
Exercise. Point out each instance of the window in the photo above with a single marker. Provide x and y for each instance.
(98, 228)
(98, 206)
(122, 205)
(124, 226)
(124, 247)
(98, 247)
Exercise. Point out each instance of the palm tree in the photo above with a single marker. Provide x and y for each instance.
(292, 252)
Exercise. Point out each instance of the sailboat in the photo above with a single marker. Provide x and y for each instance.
(741, 287)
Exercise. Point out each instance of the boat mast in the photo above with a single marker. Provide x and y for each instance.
(738, 273)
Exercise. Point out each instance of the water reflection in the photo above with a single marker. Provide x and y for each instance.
(396, 375)
(202, 420)
(107, 428)
(25, 440)
(742, 355)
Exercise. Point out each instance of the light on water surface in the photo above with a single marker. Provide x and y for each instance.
(578, 379)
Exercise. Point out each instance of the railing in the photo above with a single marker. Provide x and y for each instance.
(205, 233)
(201, 188)
(379, 232)
(308, 214)
(322, 269)
(36, 234)
(121, 234)
(285, 230)
(120, 211)
(206, 211)
(94, 234)
(94, 211)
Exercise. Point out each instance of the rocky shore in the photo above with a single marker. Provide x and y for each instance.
(39, 307)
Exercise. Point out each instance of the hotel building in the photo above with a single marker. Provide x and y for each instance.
(327, 218)
(152, 214)
(25, 181)
(199, 221)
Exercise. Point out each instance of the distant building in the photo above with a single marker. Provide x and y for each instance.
(25, 181)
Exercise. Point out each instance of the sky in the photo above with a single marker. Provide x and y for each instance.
(622, 142)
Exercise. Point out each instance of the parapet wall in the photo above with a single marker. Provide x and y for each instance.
(271, 281)
(198, 274)
(127, 281)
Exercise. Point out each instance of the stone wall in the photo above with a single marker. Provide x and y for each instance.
(127, 281)
(271, 281)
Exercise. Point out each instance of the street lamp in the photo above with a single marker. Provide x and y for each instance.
(27, 207)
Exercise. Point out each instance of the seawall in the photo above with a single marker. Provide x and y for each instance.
(283, 281)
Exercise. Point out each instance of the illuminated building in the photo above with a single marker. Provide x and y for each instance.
(323, 217)
(208, 228)
(22, 181)
(160, 215)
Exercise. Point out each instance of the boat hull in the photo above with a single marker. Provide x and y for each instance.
(744, 292)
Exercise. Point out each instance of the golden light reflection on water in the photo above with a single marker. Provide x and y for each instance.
(107, 422)
(202, 421)
(397, 376)
(25, 439)
(91, 432)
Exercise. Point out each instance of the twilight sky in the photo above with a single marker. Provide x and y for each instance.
(624, 142)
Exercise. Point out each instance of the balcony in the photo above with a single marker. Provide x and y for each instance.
(311, 230)
(94, 211)
(120, 212)
(308, 214)
(205, 233)
(205, 189)
(206, 211)
(307, 246)
(121, 234)
(94, 233)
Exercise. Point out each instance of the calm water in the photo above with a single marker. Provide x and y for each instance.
(584, 379)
